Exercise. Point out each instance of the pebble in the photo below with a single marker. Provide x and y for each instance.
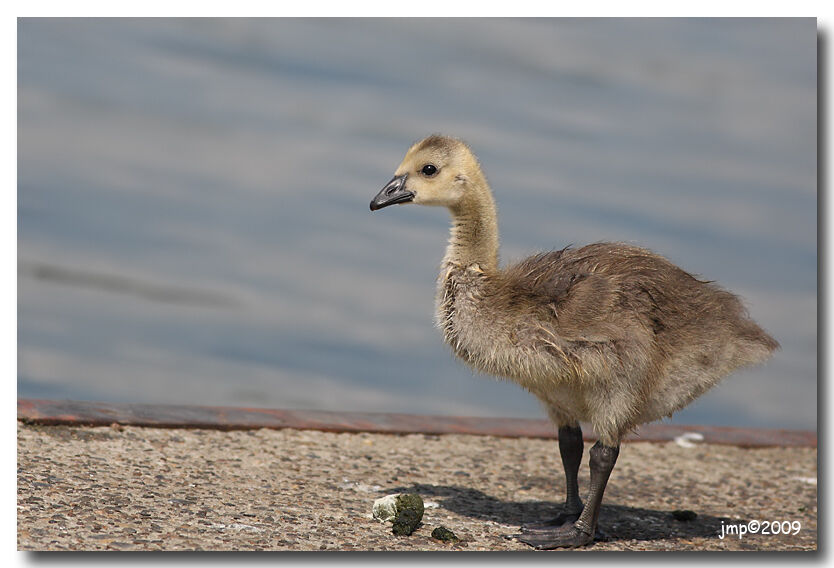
(445, 535)
(684, 515)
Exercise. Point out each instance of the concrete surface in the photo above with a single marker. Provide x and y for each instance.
(133, 488)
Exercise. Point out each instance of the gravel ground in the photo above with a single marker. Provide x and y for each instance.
(128, 488)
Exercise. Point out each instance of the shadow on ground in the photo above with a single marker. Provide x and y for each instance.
(617, 522)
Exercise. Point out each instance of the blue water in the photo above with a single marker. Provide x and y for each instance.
(193, 197)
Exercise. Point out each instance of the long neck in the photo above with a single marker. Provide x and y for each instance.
(474, 234)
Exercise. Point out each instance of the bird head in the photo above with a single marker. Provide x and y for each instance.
(438, 170)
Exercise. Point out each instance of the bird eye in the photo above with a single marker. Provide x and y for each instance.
(429, 170)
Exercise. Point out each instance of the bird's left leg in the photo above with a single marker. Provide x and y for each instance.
(570, 449)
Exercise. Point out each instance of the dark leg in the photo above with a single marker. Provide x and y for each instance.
(570, 448)
(602, 460)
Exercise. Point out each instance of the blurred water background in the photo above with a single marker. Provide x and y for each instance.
(193, 197)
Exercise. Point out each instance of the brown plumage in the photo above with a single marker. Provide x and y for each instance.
(609, 333)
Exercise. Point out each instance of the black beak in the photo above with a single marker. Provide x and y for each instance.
(393, 192)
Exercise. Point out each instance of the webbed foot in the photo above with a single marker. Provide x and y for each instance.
(564, 536)
(554, 523)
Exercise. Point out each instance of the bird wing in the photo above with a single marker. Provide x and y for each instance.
(574, 299)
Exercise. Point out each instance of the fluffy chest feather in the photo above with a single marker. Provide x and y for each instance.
(459, 299)
(492, 340)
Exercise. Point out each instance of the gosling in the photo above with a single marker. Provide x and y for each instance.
(610, 334)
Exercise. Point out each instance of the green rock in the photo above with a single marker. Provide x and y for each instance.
(444, 534)
(404, 510)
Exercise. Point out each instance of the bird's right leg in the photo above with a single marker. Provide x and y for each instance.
(582, 531)
(570, 448)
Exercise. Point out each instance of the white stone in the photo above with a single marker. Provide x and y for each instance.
(385, 508)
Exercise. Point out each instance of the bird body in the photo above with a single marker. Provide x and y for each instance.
(611, 334)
